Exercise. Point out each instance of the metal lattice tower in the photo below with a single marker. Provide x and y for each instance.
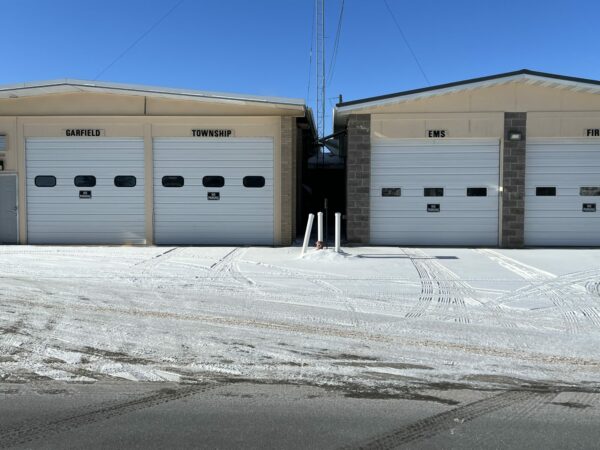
(320, 57)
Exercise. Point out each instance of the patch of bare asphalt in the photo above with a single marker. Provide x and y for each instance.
(384, 365)
(115, 356)
(572, 405)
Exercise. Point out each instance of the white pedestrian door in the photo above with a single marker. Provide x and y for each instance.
(85, 191)
(434, 192)
(562, 193)
(213, 191)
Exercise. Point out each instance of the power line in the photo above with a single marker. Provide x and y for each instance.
(336, 44)
(312, 34)
(142, 36)
(406, 42)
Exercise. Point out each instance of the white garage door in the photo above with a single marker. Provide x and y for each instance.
(562, 193)
(213, 191)
(85, 191)
(440, 192)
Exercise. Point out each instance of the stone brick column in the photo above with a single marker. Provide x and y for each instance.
(288, 125)
(358, 178)
(513, 180)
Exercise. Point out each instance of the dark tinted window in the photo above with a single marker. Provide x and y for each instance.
(172, 181)
(546, 191)
(254, 182)
(589, 191)
(213, 181)
(391, 192)
(433, 192)
(476, 192)
(45, 181)
(125, 181)
(85, 181)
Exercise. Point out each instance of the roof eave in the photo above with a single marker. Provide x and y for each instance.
(509, 77)
(69, 85)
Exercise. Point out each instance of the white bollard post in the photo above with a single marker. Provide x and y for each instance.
(309, 225)
(338, 231)
(319, 231)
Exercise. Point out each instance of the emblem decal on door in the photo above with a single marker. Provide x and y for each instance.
(85, 194)
(213, 196)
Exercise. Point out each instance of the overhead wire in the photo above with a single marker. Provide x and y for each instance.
(312, 42)
(336, 44)
(406, 42)
(142, 36)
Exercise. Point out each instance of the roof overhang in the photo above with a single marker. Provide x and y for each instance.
(66, 85)
(524, 76)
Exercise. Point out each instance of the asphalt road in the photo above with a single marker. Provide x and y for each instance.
(246, 415)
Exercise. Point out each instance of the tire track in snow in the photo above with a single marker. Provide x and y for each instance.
(313, 278)
(440, 287)
(572, 303)
(331, 331)
(520, 402)
(150, 264)
(227, 268)
(533, 274)
(525, 271)
(32, 431)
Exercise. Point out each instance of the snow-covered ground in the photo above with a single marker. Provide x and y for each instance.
(379, 317)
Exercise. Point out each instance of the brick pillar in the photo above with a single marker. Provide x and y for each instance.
(288, 125)
(513, 181)
(358, 178)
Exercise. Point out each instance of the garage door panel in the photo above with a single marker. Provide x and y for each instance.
(413, 165)
(191, 168)
(412, 181)
(58, 215)
(83, 238)
(441, 227)
(447, 238)
(567, 166)
(242, 215)
(95, 227)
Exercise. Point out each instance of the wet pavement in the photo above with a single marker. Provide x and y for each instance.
(229, 415)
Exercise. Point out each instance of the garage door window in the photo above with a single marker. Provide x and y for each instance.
(433, 192)
(391, 192)
(213, 181)
(125, 181)
(85, 181)
(254, 182)
(172, 181)
(476, 192)
(589, 191)
(545, 191)
(45, 181)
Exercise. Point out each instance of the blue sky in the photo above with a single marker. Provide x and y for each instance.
(262, 46)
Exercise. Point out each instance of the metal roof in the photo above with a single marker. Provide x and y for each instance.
(68, 85)
(525, 75)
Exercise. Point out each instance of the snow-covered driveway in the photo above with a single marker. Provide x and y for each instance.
(379, 317)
